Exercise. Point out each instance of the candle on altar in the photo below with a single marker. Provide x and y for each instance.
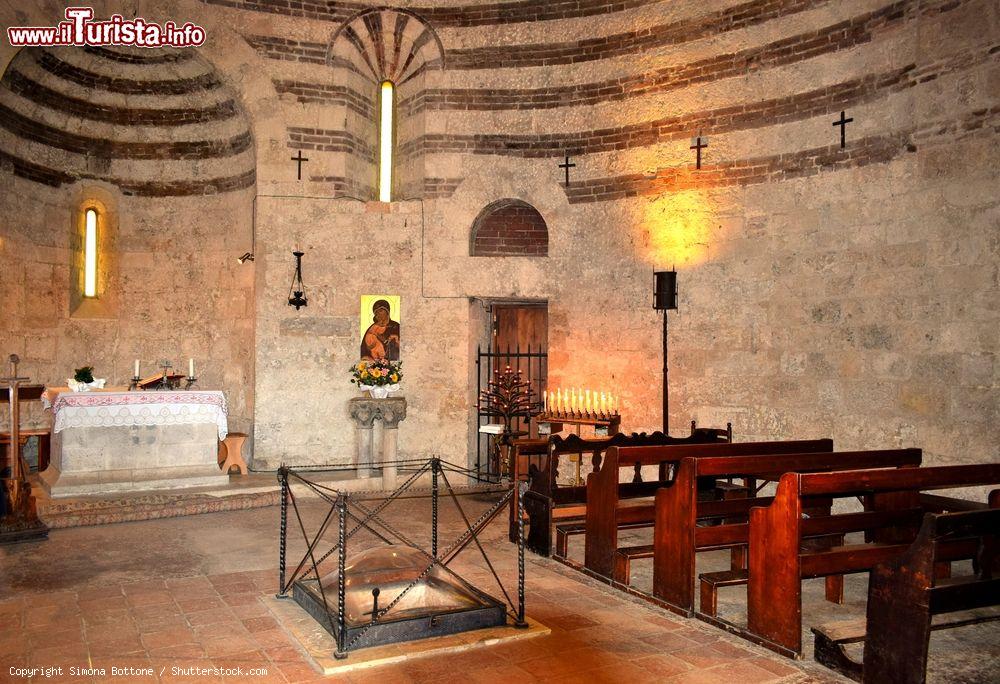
(190, 368)
(604, 403)
(135, 370)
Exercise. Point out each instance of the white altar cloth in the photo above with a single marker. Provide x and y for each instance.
(107, 442)
(124, 409)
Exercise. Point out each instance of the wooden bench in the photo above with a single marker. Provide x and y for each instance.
(679, 533)
(577, 526)
(525, 454)
(606, 513)
(893, 515)
(906, 592)
(547, 501)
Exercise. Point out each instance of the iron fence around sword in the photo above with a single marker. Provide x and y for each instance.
(534, 367)
(350, 512)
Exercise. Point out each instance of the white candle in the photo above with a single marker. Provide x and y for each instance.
(135, 371)
(190, 368)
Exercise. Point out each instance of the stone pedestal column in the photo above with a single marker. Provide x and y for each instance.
(391, 411)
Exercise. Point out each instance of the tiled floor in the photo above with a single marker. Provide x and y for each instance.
(186, 593)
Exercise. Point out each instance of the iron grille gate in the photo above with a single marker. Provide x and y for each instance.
(534, 366)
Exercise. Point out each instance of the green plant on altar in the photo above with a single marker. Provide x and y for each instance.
(84, 374)
(377, 373)
(508, 396)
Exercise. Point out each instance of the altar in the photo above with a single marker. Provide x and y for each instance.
(105, 442)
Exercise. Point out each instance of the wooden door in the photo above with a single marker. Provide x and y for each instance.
(518, 326)
(522, 331)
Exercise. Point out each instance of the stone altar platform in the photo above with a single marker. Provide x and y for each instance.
(132, 441)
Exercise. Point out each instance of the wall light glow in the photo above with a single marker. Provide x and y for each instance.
(385, 144)
(680, 228)
(90, 255)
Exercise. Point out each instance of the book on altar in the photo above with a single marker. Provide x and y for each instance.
(157, 378)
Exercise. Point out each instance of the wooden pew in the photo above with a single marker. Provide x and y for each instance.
(677, 537)
(605, 515)
(525, 453)
(547, 501)
(906, 592)
(778, 564)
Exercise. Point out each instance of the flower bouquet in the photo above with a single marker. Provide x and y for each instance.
(83, 379)
(379, 377)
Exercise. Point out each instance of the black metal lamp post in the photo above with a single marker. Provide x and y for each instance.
(297, 292)
(665, 298)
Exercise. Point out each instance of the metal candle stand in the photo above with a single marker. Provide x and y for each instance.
(305, 582)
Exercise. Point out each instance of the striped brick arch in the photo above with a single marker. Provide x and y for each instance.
(509, 227)
(386, 44)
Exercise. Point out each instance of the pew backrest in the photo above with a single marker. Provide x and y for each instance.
(677, 537)
(776, 565)
(605, 490)
(903, 594)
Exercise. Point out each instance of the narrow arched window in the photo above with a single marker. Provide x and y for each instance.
(90, 254)
(385, 142)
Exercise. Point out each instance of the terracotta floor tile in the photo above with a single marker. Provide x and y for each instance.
(746, 673)
(116, 647)
(259, 624)
(210, 617)
(284, 654)
(102, 605)
(197, 605)
(171, 654)
(143, 586)
(774, 665)
(167, 637)
(148, 598)
(105, 617)
(228, 589)
(663, 665)
(250, 609)
(228, 645)
(272, 638)
(702, 657)
(241, 599)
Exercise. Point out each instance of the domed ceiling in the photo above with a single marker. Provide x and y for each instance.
(153, 122)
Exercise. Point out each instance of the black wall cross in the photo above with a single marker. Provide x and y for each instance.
(566, 165)
(299, 158)
(842, 122)
(698, 145)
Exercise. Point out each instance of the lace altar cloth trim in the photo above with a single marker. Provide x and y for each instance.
(124, 409)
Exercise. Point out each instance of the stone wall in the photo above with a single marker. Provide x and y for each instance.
(161, 146)
(824, 291)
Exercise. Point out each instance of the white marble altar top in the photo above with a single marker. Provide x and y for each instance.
(111, 409)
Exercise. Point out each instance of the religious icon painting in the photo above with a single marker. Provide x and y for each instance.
(379, 327)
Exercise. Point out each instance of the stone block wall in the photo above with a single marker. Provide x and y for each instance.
(824, 291)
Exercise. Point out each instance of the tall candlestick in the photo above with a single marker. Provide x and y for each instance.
(190, 368)
(135, 370)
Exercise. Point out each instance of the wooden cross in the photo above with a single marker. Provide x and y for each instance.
(566, 165)
(299, 158)
(843, 126)
(698, 145)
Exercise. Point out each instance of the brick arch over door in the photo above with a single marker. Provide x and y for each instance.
(509, 227)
